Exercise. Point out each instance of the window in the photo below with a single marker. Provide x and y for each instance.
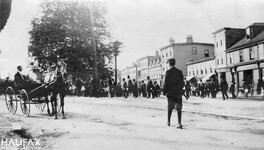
(257, 55)
(205, 71)
(222, 61)
(216, 44)
(248, 32)
(217, 61)
(190, 73)
(251, 54)
(211, 70)
(197, 72)
(170, 54)
(201, 71)
(221, 43)
(166, 54)
(230, 58)
(206, 53)
(193, 72)
(241, 56)
(194, 50)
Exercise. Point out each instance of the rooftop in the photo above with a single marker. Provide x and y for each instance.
(181, 44)
(200, 60)
(245, 42)
(225, 28)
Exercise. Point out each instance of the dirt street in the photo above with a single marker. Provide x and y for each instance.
(130, 124)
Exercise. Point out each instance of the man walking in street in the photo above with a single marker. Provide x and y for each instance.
(173, 89)
(129, 85)
(150, 88)
(224, 88)
(143, 89)
(125, 88)
(135, 88)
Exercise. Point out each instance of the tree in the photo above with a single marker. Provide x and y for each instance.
(64, 29)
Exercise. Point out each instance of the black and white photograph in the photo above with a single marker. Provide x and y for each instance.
(131, 75)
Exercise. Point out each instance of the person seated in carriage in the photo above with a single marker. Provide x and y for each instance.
(35, 76)
(20, 80)
(31, 81)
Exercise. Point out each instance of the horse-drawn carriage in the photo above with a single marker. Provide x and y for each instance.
(40, 94)
(37, 94)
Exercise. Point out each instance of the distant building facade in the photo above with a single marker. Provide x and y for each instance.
(155, 68)
(224, 38)
(143, 67)
(183, 53)
(245, 58)
(131, 71)
(201, 69)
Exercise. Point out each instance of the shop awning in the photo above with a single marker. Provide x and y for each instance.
(207, 77)
(188, 78)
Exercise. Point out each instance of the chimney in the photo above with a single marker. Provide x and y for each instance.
(172, 40)
(189, 39)
(157, 53)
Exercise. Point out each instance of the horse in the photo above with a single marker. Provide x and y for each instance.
(56, 83)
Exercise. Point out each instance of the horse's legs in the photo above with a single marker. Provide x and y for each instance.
(55, 106)
(62, 106)
(47, 102)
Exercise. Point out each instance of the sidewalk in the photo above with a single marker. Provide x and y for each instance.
(240, 107)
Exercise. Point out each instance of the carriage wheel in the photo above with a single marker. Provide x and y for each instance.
(24, 103)
(11, 101)
(41, 105)
(58, 99)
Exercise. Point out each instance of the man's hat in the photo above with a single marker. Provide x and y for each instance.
(171, 60)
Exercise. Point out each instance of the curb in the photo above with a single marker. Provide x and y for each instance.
(225, 115)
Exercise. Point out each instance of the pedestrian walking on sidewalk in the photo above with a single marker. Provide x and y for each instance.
(224, 88)
(173, 89)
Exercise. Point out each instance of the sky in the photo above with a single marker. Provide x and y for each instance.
(143, 26)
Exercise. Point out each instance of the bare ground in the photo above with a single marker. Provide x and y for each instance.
(118, 123)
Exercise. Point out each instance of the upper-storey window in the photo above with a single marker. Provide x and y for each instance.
(206, 53)
(216, 44)
(241, 56)
(194, 50)
(251, 54)
(221, 43)
(257, 52)
(230, 58)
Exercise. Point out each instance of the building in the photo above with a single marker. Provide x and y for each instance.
(143, 67)
(201, 69)
(155, 68)
(131, 71)
(183, 53)
(224, 38)
(245, 58)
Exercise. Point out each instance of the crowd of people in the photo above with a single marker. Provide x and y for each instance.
(109, 88)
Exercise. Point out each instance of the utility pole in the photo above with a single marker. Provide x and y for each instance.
(116, 65)
(94, 43)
